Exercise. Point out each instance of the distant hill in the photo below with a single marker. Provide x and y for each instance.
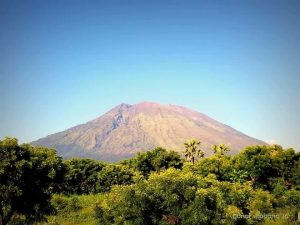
(127, 129)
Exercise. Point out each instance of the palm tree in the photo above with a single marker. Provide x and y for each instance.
(192, 151)
(220, 149)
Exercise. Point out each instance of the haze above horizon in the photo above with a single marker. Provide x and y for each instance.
(63, 63)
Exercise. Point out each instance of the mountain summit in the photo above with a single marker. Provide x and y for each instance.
(127, 129)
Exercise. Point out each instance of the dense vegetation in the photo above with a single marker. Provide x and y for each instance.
(261, 185)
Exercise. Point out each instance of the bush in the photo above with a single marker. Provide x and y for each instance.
(62, 203)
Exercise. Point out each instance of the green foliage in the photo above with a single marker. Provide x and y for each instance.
(204, 209)
(152, 201)
(193, 151)
(179, 197)
(62, 203)
(82, 176)
(216, 190)
(155, 160)
(87, 176)
(28, 177)
(220, 165)
(154, 187)
(268, 166)
(238, 176)
(80, 213)
(114, 175)
(59, 202)
(220, 149)
(291, 198)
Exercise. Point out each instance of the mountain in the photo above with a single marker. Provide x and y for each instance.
(127, 129)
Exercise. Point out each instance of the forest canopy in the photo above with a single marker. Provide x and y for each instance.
(260, 185)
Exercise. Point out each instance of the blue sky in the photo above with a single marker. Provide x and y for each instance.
(66, 62)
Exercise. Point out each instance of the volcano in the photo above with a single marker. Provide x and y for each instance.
(127, 129)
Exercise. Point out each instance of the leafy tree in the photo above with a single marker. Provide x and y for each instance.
(259, 205)
(290, 200)
(155, 160)
(290, 166)
(193, 151)
(257, 161)
(114, 175)
(295, 174)
(220, 165)
(28, 177)
(152, 201)
(163, 159)
(62, 203)
(238, 176)
(154, 187)
(82, 176)
(204, 209)
(268, 165)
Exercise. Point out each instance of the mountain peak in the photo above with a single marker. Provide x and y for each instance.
(148, 104)
(127, 129)
(122, 106)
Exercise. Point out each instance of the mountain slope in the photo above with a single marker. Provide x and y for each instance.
(127, 129)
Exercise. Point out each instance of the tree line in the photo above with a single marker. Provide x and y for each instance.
(155, 187)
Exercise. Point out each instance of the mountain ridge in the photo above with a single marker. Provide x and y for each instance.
(127, 129)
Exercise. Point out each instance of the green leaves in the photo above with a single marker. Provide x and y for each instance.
(193, 151)
(155, 160)
(154, 187)
(113, 175)
(160, 197)
(81, 176)
(220, 149)
(28, 177)
(266, 164)
(238, 176)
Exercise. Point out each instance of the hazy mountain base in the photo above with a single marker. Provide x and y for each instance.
(71, 151)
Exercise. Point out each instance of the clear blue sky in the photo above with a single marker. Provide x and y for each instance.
(66, 62)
